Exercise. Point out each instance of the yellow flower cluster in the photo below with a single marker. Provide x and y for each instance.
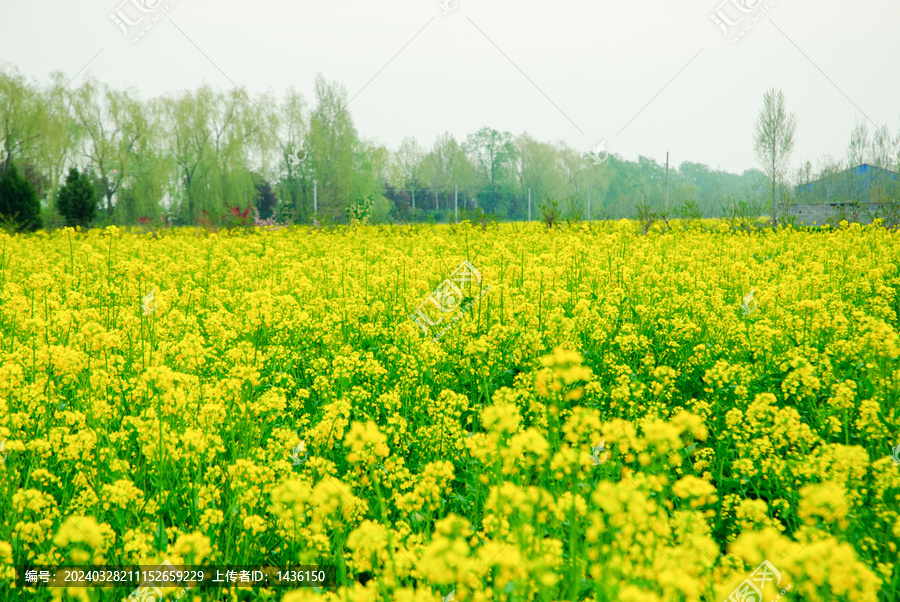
(607, 424)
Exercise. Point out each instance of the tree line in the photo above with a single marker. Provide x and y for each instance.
(96, 155)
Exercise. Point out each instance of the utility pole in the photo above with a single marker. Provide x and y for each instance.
(667, 181)
(589, 205)
(529, 204)
(315, 199)
(414, 197)
(456, 204)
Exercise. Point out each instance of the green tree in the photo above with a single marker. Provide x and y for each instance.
(494, 156)
(462, 174)
(438, 169)
(287, 139)
(20, 118)
(883, 148)
(77, 200)
(573, 164)
(407, 167)
(629, 185)
(235, 129)
(774, 142)
(435, 175)
(189, 141)
(111, 123)
(266, 201)
(859, 144)
(35, 130)
(150, 173)
(19, 202)
(539, 169)
(333, 147)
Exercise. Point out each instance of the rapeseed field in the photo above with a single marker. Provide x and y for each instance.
(453, 412)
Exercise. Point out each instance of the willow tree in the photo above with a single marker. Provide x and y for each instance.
(149, 172)
(332, 147)
(539, 168)
(35, 131)
(188, 133)
(775, 129)
(59, 134)
(209, 134)
(21, 116)
(112, 123)
(213, 137)
(285, 144)
(235, 126)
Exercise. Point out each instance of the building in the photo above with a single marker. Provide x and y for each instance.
(859, 194)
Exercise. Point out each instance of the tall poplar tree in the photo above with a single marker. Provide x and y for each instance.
(775, 129)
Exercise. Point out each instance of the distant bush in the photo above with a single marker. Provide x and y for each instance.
(574, 211)
(381, 209)
(646, 216)
(266, 201)
(77, 200)
(740, 214)
(478, 216)
(359, 211)
(20, 208)
(550, 213)
(689, 210)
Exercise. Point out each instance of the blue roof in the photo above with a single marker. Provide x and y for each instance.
(870, 173)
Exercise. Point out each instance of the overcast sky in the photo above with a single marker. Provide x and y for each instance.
(648, 77)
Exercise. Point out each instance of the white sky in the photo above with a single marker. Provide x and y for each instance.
(594, 65)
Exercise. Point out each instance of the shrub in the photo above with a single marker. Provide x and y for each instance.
(77, 200)
(479, 216)
(238, 219)
(550, 213)
(574, 211)
(646, 216)
(740, 214)
(266, 201)
(20, 208)
(359, 211)
(689, 211)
